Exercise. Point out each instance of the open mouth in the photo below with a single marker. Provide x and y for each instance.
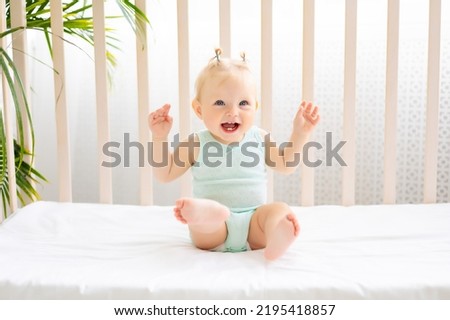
(230, 126)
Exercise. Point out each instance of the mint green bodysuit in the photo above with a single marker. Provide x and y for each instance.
(235, 176)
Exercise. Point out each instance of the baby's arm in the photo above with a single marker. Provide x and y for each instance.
(167, 165)
(287, 159)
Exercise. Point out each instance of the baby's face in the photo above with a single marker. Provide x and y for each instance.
(227, 106)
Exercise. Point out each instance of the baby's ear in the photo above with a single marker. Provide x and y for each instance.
(197, 107)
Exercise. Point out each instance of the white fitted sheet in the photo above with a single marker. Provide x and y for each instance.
(92, 251)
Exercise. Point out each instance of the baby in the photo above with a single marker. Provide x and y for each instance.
(228, 160)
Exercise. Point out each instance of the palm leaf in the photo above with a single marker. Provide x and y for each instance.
(25, 174)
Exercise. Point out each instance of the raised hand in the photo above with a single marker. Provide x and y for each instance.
(160, 122)
(306, 119)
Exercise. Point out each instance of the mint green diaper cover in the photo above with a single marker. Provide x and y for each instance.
(238, 225)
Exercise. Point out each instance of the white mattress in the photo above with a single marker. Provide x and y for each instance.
(85, 251)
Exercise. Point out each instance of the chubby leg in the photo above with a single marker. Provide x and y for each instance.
(273, 227)
(206, 221)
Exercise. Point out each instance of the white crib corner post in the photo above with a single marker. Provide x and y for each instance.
(266, 79)
(105, 174)
(432, 115)
(307, 173)
(7, 112)
(62, 124)
(142, 64)
(349, 150)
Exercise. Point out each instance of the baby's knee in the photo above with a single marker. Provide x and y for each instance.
(282, 207)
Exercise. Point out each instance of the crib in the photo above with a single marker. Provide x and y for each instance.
(67, 250)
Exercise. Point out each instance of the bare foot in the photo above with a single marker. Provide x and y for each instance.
(202, 214)
(282, 237)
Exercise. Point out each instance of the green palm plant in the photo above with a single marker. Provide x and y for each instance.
(78, 23)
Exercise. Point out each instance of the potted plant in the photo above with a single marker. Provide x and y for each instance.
(78, 23)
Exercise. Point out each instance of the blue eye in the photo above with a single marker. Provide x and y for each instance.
(219, 103)
(244, 103)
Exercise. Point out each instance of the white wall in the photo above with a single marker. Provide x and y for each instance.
(204, 34)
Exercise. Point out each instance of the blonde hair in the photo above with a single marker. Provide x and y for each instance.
(221, 67)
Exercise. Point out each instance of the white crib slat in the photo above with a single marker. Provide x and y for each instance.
(308, 50)
(62, 127)
(142, 63)
(183, 83)
(19, 44)
(8, 123)
(105, 174)
(349, 151)
(432, 122)
(183, 67)
(390, 128)
(307, 192)
(266, 64)
(225, 27)
(266, 78)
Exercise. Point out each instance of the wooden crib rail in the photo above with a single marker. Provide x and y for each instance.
(308, 55)
(390, 122)
(62, 122)
(184, 99)
(266, 77)
(307, 173)
(142, 60)
(432, 118)
(101, 89)
(349, 151)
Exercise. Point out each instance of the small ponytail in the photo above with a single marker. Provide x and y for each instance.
(243, 56)
(218, 52)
